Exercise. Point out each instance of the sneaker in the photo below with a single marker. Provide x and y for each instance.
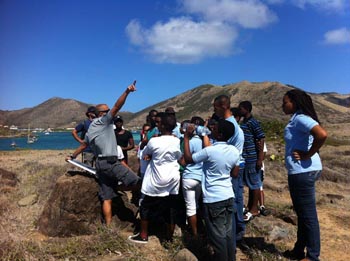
(264, 211)
(138, 239)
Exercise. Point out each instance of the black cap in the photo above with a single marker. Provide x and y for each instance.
(91, 109)
(118, 118)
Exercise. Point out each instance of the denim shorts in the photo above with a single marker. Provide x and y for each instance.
(252, 177)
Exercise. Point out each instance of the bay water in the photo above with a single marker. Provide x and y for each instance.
(52, 141)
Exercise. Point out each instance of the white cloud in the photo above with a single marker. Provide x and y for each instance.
(338, 36)
(246, 13)
(181, 40)
(327, 5)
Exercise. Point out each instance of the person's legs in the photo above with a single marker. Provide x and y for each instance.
(107, 211)
(237, 185)
(191, 191)
(218, 220)
(302, 190)
(252, 179)
(262, 196)
(254, 207)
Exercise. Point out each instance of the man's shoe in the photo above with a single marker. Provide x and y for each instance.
(292, 255)
(264, 211)
(138, 239)
(241, 244)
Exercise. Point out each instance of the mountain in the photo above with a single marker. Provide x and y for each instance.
(54, 113)
(266, 98)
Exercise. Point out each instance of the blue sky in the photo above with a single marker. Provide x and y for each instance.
(91, 50)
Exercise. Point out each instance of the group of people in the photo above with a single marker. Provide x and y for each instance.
(207, 163)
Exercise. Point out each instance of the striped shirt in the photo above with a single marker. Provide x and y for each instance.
(252, 132)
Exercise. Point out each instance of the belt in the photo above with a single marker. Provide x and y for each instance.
(110, 159)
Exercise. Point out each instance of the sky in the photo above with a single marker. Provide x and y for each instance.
(91, 50)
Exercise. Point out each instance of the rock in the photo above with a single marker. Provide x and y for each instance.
(291, 219)
(7, 178)
(278, 233)
(185, 255)
(74, 207)
(28, 200)
(335, 196)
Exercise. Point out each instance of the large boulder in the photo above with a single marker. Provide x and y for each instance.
(74, 207)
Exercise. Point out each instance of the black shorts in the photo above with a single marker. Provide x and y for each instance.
(158, 208)
(110, 175)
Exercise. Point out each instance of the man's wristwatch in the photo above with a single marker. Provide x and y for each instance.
(72, 156)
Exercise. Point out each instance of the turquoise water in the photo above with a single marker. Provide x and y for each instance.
(53, 141)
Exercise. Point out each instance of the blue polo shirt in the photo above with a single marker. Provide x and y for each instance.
(297, 137)
(237, 139)
(218, 160)
(194, 170)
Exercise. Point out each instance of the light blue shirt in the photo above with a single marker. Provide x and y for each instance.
(237, 139)
(297, 137)
(218, 160)
(176, 131)
(194, 170)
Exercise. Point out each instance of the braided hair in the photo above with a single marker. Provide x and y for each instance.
(303, 103)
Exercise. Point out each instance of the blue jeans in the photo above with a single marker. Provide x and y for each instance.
(302, 192)
(237, 185)
(218, 221)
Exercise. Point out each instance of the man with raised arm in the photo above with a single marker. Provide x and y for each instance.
(101, 139)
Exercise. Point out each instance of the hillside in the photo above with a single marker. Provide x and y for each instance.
(265, 96)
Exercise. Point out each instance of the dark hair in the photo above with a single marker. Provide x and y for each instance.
(303, 103)
(197, 120)
(168, 120)
(223, 100)
(226, 128)
(213, 119)
(235, 112)
(246, 105)
(152, 111)
(146, 125)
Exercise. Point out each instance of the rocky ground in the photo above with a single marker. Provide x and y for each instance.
(31, 175)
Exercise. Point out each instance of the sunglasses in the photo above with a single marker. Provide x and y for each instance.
(105, 111)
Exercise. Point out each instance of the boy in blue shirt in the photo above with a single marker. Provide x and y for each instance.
(219, 161)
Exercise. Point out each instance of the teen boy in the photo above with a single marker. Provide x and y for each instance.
(219, 160)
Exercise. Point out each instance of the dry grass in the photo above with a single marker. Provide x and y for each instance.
(37, 171)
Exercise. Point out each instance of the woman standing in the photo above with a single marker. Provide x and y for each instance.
(303, 137)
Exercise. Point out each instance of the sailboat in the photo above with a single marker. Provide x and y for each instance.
(29, 138)
(47, 131)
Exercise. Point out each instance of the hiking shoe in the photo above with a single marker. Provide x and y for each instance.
(264, 211)
(138, 239)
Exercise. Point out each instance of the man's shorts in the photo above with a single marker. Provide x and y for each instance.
(110, 175)
(252, 177)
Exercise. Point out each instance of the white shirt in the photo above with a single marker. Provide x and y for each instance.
(162, 174)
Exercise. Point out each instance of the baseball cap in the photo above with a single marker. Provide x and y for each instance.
(118, 118)
(91, 109)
